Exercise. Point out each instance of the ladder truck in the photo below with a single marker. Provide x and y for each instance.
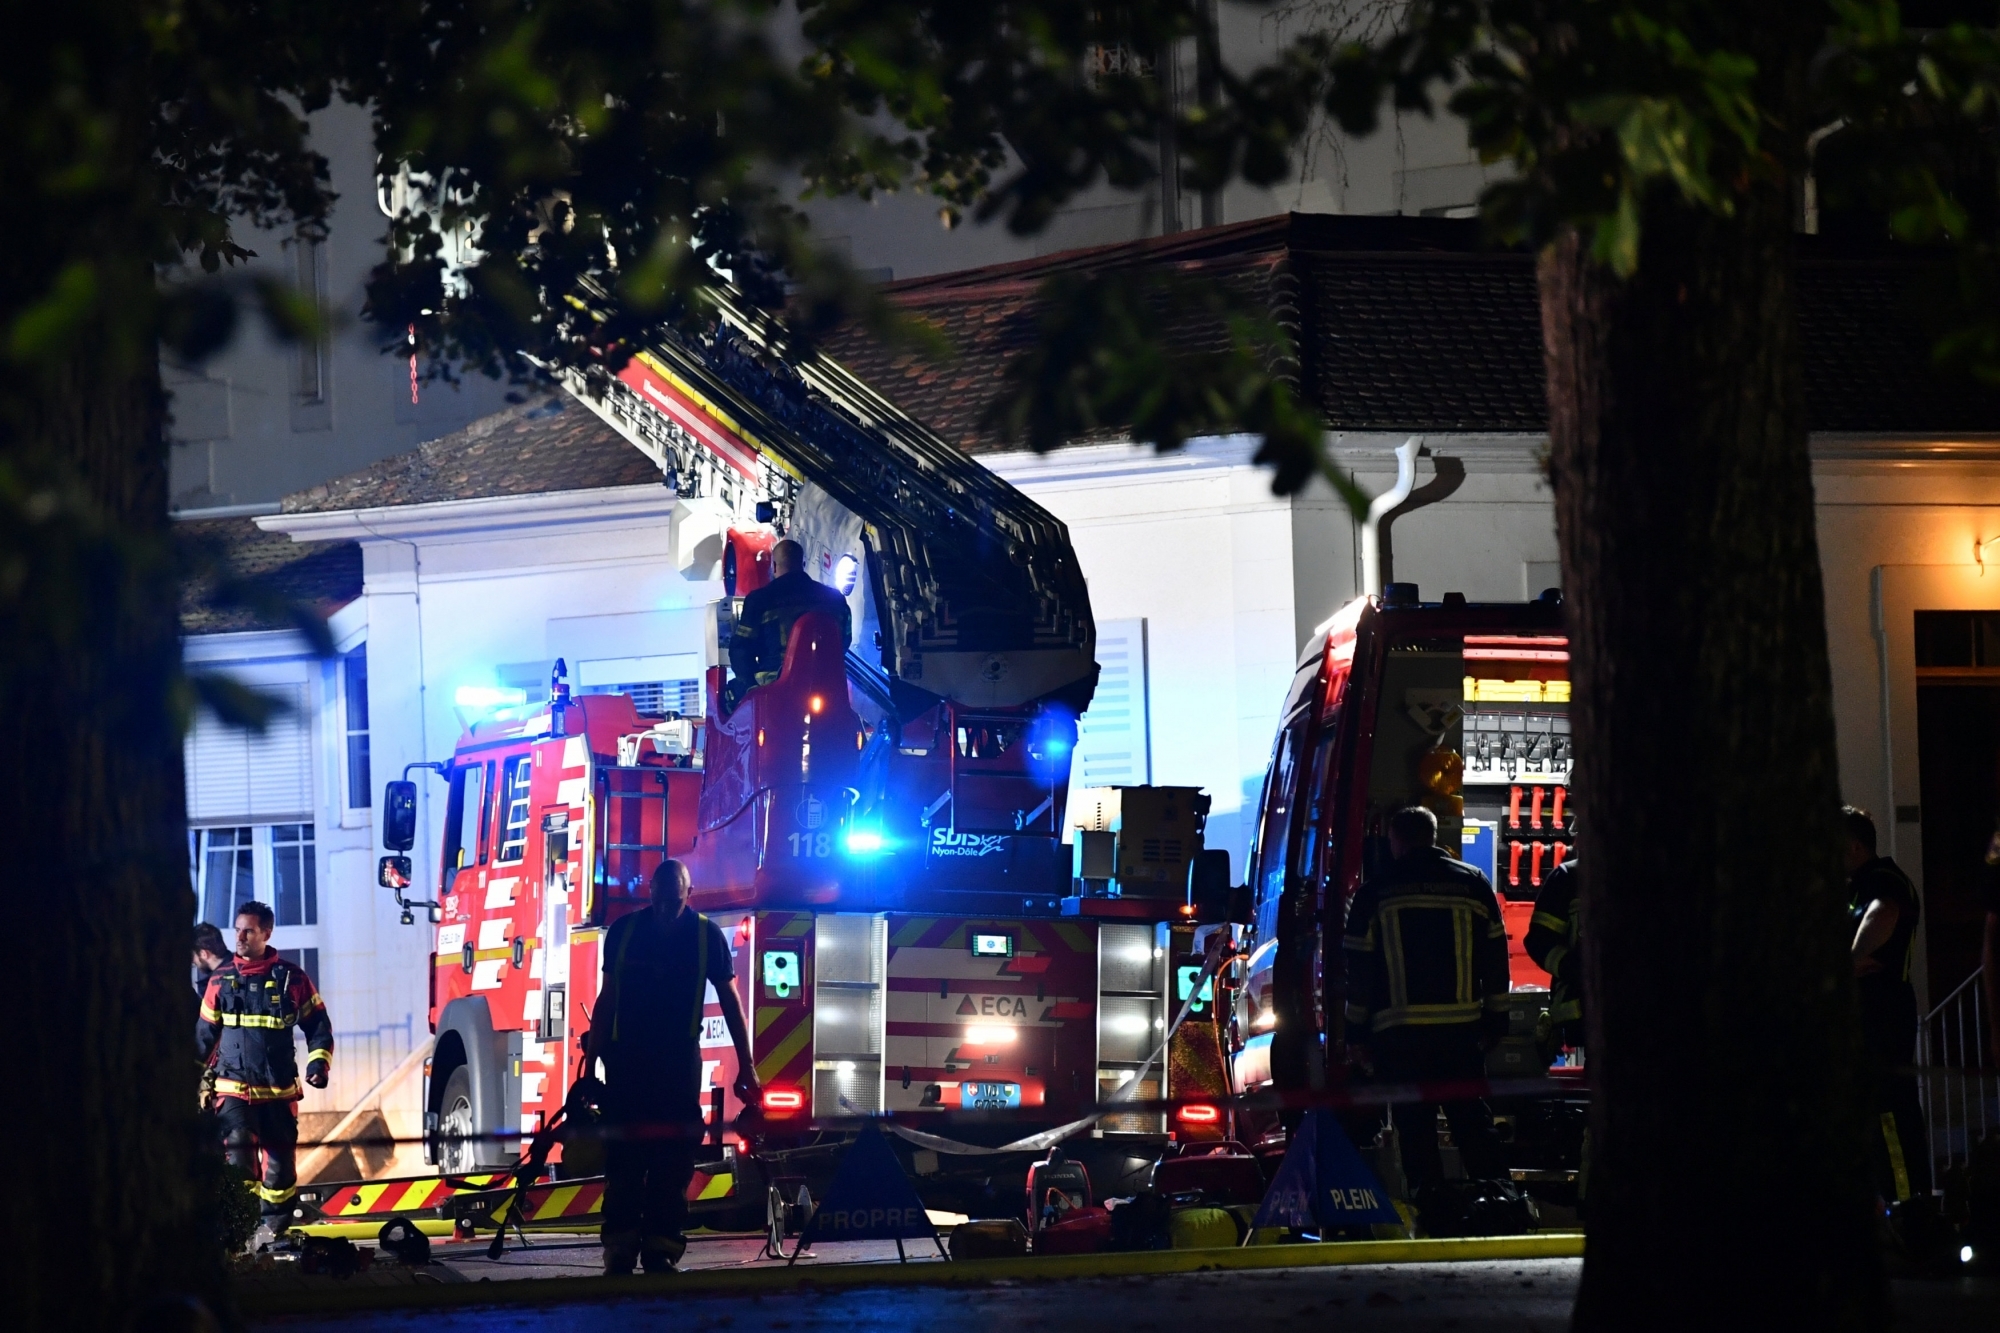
(880, 830)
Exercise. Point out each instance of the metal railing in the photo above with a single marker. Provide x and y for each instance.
(1959, 1088)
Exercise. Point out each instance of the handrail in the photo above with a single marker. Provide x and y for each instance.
(1938, 1008)
(1959, 1094)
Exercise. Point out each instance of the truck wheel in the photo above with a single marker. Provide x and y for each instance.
(457, 1152)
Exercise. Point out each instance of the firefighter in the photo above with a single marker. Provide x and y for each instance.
(1884, 907)
(211, 955)
(658, 965)
(1427, 987)
(247, 1016)
(764, 626)
(1552, 941)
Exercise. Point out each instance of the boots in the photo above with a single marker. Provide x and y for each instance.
(659, 1254)
(621, 1253)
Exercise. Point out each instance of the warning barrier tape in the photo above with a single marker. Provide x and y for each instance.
(1356, 1097)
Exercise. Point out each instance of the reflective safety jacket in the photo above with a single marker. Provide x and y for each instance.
(764, 626)
(1553, 933)
(1426, 948)
(247, 1017)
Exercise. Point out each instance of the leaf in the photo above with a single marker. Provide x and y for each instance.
(44, 329)
(235, 703)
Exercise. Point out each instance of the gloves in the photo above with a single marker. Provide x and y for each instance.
(316, 1071)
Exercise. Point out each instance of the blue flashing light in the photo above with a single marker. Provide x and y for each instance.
(846, 573)
(489, 696)
(864, 842)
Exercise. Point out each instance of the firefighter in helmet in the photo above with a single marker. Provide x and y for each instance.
(247, 1016)
(658, 966)
(1427, 986)
(764, 626)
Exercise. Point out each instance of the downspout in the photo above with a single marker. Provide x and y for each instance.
(1379, 507)
(1449, 476)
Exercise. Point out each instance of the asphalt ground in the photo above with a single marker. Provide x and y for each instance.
(1518, 1296)
(1471, 1296)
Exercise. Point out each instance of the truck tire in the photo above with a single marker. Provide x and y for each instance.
(457, 1150)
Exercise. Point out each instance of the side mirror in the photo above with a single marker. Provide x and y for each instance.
(393, 872)
(399, 816)
(1210, 893)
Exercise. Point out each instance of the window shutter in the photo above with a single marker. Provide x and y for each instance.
(1114, 743)
(234, 775)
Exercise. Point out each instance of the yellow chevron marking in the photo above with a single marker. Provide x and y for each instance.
(781, 1055)
(955, 940)
(768, 1015)
(366, 1198)
(557, 1201)
(797, 926)
(718, 1187)
(418, 1195)
(1027, 938)
(912, 930)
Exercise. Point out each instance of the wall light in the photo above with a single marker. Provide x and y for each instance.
(1979, 553)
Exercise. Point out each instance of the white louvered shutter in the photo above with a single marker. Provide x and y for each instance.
(234, 775)
(1113, 747)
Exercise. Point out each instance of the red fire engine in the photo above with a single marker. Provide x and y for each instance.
(878, 829)
(1458, 706)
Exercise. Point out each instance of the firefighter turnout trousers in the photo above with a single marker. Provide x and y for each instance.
(272, 1128)
(1440, 1055)
(645, 1193)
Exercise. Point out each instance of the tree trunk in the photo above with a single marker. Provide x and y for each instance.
(105, 1229)
(1727, 1184)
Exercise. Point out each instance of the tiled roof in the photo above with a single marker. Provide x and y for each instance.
(552, 443)
(324, 576)
(1408, 323)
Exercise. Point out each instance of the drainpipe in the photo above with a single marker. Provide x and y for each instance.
(1379, 507)
(1448, 477)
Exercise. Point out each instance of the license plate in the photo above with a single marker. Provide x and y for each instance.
(989, 1096)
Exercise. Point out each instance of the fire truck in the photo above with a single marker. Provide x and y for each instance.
(1457, 706)
(880, 830)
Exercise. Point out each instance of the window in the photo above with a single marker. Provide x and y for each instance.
(307, 959)
(311, 255)
(294, 878)
(514, 781)
(465, 816)
(1113, 743)
(652, 698)
(354, 694)
(273, 863)
(312, 389)
(1961, 639)
(227, 872)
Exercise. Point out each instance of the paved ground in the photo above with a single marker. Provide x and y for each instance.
(1516, 1296)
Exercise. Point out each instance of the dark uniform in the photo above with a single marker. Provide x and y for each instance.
(650, 1045)
(247, 1016)
(764, 626)
(1553, 935)
(1427, 982)
(1901, 1150)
